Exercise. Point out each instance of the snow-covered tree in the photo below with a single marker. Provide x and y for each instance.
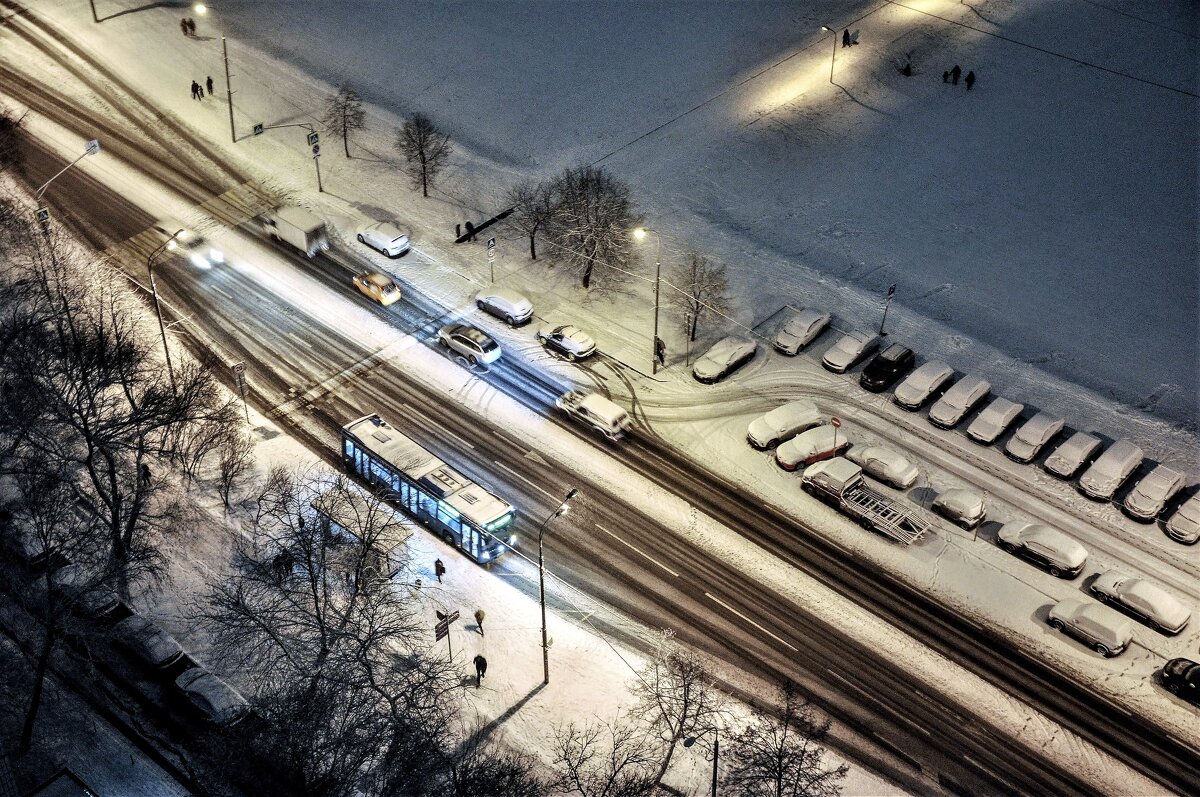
(425, 148)
(698, 289)
(534, 206)
(343, 113)
(592, 223)
(604, 759)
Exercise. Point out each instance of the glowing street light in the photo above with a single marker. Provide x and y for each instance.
(833, 32)
(640, 234)
(562, 510)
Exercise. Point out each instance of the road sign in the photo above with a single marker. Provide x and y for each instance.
(835, 422)
(491, 243)
(442, 628)
(313, 138)
(43, 217)
(316, 150)
(258, 128)
(92, 147)
(892, 290)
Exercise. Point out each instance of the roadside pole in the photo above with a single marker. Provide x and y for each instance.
(442, 629)
(313, 138)
(239, 374)
(491, 247)
(886, 305)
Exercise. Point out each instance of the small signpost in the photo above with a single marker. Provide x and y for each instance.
(836, 423)
(886, 304)
(492, 258)
(239, 375)
(258, 128)
(313, 138)
(92, 147)
(43, 217)
(442, 629)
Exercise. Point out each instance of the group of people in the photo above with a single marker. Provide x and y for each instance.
(953, 75)
(188, 26)
(198, 90)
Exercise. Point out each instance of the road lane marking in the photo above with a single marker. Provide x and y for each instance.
(431, 425)
(717, 600)
(549, 495)
(633, 547)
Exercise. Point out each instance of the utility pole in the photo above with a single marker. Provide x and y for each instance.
(228, 89)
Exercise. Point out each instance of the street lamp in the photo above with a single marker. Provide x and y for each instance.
(691, 740)
(169, 245)
(834, 58)
(202, 9)
(640, 233)
(562, 510)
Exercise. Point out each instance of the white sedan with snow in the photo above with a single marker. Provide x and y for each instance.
(1184, 525)
(783, 423)
(726, 356)
(820, 443)
(1144, 599)
(569, 341)
(1032, 436)
(801, 329)
(508, 305)
(849, 349)
(959, 400)
(888, 466)
(922, 385)
(994, 420)
(962, 506)
(385, 237)
(1152, 492)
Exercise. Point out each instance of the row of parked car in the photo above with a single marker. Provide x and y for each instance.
(141, 637)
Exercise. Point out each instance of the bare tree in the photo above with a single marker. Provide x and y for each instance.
(10, 140)
(534, 206)
(592, 224)
(425, 148)
(343, 113)
(698, 289)
(678, 697)
(606, 759)
(236, 458)
(782, 756)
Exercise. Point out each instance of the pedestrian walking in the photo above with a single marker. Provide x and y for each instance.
(946, 76)
(195, 88)
(479, 620)
(439, 569)
(183, 26)
(209, 83)
(907, 70)
(200, 91)
(480, 668)
(457, 231)
(954, 73)
(846, 37)
(970, 79)
(191, 25)
(470, 231)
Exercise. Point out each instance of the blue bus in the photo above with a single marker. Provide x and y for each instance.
(428, 490)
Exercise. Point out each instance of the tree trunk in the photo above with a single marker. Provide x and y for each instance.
(35, 697)
(346, 140)
(695, 320)
(532, 246)
(666, 764)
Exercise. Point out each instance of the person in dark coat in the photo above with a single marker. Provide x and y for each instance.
(480, 668)
(970, 79)
(470, 231)
(954, 73)
(439, 569)
(199, 91)
(195, 88)
(846, 37)
(210, 84)
(479, 620)
(191, 23)
(945, 77)
(183, 26)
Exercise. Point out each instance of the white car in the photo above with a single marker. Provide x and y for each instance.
(1152, 492)
(960, 505)
(888, 466)
(849, 349)
(567, 340)
(1184, 523)
(1032, 436)
(219, 702)
(783, 423)
(948, 411)
(1072, 454)
(471, 343)
(818, 443)
(994, 420)
(1105, 631)
(1143, 599)
(922, 384)
(1111, 470)
(725, 357)
(1063, 556)
(199, 252)
(143, 638)
(505, 304)
(801, 329)
(384, 237)
(596, 411)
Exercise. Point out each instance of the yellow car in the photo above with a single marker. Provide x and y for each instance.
(379, 287)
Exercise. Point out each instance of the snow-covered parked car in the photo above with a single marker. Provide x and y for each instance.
(801, 329)
(849, 349)
(948, 411)
(1184, 523)
(1103, 630)
(1143, 599)
(726, 356)
(961, 506)
(87, 597)
(1032, 436)
(1152, 492)
(1072, 454)
(219, 702)
(1061, 555)
(783, 423)
(508, 305)
(474, 344)
(384, 237)
(819, 443)
(888, 466)
(994, 420)
(923, 384)
(144, 639)
(567, 340)
(1111, 470)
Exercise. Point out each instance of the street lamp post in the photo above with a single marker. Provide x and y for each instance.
(691, 740)
(170, 244)
(202, 9)
(834, 57)
(562, 509)
(640, 233)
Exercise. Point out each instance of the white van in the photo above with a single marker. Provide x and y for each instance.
(595, 411)
(1106, 474)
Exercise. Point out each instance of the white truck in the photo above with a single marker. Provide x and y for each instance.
(296, 227)
(839, 482)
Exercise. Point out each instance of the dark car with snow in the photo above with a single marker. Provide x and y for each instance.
(886, 367)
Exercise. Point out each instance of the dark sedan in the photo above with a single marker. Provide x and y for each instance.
(887, 367)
